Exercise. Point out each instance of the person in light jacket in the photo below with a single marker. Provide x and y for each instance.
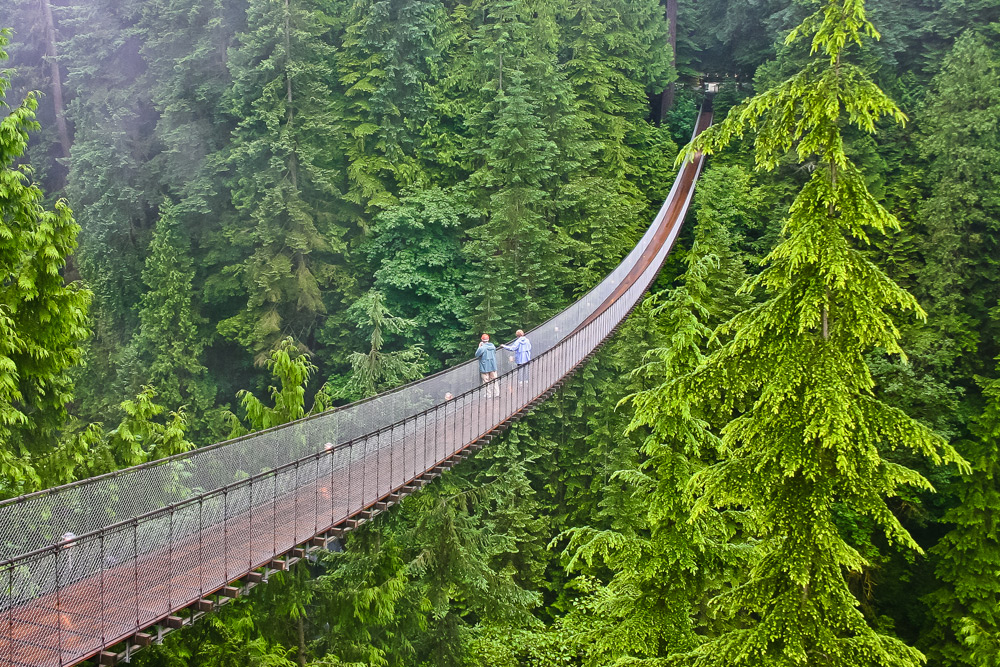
(522, 355)
(487, 355)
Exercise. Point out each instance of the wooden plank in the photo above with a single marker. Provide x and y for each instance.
(142, 639)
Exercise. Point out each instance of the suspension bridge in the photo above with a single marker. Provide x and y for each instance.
(99, 568)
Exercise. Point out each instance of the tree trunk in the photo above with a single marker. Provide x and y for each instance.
(667, 97)
(302, 640)
(52, 55)
(293, 170)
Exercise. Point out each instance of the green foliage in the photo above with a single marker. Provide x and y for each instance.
(42, 320)
(169, 343)
(968, 556)
(227, 638)
(376, 371)
(961, 215)
(810, 437)
(139, 438)
(366, 597)
(665, 566)
(292, 370)
(610, 80)
(646, 609)
(146, 432)
(285, 174)
(478, 161)
(387, 49)
(726, 201)
(415, 249)
(529, 143)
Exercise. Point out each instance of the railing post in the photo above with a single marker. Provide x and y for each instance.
(295, 505)
(59, 613)
(315, 482)
(135, 569)
(10, 613)
(350, 476)
(201, 557)
(393, 481)
(419, 465)
(274, 516)
(403, 445)
(250, 527)
(364, 474)
(225, 533)
(104, 600)
(332, 453)
(443, 437)
(170, 557)
(378, 462)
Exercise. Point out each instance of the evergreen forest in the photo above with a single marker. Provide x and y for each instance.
(219, 216)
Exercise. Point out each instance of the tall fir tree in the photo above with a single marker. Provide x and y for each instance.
(518, 257)
(416, 252)
(284, 174)
(384, 68)
(110, 185)
(811, 440)
(34, 52)
(611, 81)
(379, 370)
(170, 344)
(967, 606)
(961, 215)
(108, 180)
(663, 566)
(726, 202)
(43, 320)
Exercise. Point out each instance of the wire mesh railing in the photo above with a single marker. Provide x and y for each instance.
(90, 563)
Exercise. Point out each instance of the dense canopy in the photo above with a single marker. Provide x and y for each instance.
(217, 216)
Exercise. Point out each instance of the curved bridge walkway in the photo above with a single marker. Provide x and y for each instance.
(100, 567)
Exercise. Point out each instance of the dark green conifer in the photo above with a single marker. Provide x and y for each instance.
(285, 170)
(611, 79)
(378, 370)
(517, 258)
(662, 565)
(967, 606)
(170, 344)
(961, 248)
(416, 253)
(384, 66)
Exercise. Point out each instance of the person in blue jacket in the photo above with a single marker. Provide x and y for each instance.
(522, 355)
(487, 355)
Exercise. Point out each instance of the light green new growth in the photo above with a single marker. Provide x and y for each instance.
(811, 438)
(42, 320)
